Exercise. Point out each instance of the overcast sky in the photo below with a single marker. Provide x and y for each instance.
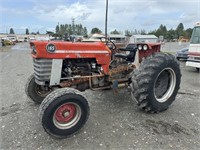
(42, 15)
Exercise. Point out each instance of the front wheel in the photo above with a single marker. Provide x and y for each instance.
(155, 84)
(34, 91)
(64, 112)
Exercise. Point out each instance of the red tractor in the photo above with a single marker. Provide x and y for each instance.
(63, 69)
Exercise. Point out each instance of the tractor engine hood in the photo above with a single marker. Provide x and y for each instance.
(68, 50)
(62, 50)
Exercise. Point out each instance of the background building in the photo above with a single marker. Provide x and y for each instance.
(25, 37)
(143, 38)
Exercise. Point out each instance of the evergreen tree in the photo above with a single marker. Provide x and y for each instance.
(170, 35)
(12, 31)
(85, 31)
(115, 32)
(152, 32)
(188, 33)
(68, 29)
(162, 31)
(62, 29)
(33, 33)
(128, 33)
(57, 29)
(50, 33)
(96, 30)
(180, 30)
(143, 32)
(27, 31)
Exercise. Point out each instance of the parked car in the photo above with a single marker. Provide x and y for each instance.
(182, 54)
(6, 42)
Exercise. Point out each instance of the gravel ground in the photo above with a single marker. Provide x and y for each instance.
(115, 121)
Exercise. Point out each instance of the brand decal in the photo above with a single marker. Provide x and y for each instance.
(51, 48)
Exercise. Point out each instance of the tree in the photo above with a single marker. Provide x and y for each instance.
(27, 31)
(85, 32)
(96, 30)
(33, 33)
(12, 31)
(50, 33)
(188, 33)
(143, 32)
(64, 30)
(57, 29)
(162, 30)
(152, 32)
(70, 29)
(135, 32)
(128, 33)
(115, 32)
(179, 30)
(171, 34)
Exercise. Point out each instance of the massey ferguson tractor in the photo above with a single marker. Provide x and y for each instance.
(62, 70)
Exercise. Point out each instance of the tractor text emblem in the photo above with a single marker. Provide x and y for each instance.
(51, 48)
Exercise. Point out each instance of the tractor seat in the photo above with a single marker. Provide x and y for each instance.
(129, 54)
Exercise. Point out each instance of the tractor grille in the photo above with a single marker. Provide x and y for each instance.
(42, 70)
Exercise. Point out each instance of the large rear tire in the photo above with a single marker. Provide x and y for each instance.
(35, 91)
(156, 83)
(64, 112)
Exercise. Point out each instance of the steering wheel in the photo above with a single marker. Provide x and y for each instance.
(111, 45)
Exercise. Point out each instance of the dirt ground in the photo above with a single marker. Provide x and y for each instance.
(115, 121)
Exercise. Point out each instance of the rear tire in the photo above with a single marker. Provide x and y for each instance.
(64, 112)
(156, 83)
(34, 91)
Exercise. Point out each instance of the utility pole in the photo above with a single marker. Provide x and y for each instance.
(106, 20)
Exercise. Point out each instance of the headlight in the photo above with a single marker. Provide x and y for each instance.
(145, 47)
(34, 49)
(140, 47)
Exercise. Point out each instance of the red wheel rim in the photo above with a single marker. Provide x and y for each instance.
(65, 113)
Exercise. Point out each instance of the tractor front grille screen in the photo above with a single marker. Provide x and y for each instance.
(42, 70)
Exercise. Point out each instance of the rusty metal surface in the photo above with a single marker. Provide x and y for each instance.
(82, 79)
(121, 68)
(69, 83)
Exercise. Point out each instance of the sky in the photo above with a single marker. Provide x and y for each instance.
(44, 15)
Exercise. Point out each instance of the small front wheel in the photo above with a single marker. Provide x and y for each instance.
(64, 112)
(34, 91)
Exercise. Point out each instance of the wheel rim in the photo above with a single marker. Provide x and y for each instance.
(164, 85)
(67, 115)
(40, 91)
